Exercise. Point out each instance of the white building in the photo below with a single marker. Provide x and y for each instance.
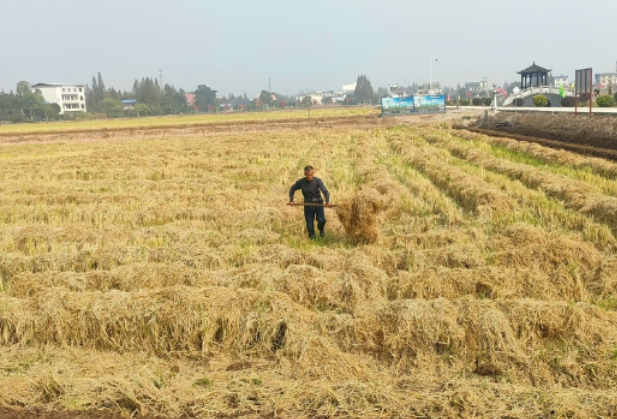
(70, 97)
(604, 80)
(350, 88)
(561, 80)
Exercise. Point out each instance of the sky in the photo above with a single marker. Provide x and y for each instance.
(298, 46)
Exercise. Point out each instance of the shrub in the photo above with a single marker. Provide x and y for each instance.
(540, 101)
(568, 102)
(605, 101)
(19, 119)
(465, 102)
(476, 101)
(488, 101)
(519, 102)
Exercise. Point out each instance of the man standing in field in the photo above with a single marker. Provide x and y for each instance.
(312, 187)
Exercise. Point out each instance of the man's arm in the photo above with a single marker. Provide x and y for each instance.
(325, 192)
(293, 190)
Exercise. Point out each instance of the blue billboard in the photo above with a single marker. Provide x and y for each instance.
(429, 103)
(396, 105)
(392, 106)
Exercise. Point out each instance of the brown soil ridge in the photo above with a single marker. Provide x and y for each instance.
(606, 153)
(193, 130)
(341, 120)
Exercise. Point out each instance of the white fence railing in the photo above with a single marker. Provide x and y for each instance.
(532, 91)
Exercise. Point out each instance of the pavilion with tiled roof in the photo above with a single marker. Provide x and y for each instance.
(534, 76)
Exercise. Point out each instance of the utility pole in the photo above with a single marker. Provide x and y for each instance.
(161, 79)
(430, 75)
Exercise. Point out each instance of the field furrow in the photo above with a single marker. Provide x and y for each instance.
(584, 197)
(548, 155)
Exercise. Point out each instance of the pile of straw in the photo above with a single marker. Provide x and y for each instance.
(358, 215)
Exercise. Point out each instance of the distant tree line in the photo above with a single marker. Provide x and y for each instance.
(150, 98)
(25, 105)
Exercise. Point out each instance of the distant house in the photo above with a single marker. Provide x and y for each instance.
(603, 80)
(129, 104)
(190, 100)
(561, 80)
(430, 88)
(474, 86)
(70, 97)
(349, 88)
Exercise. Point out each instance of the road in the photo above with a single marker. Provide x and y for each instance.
(583, 111)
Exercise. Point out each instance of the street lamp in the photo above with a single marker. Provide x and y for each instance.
(430, 74)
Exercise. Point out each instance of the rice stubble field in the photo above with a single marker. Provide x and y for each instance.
(462, 275)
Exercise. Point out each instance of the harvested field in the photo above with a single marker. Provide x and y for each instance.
(163, 276)
(195, 121)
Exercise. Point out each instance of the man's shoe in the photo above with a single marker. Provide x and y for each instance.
(312, 237)
(322, 233)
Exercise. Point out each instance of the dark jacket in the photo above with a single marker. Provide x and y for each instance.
(310, 190)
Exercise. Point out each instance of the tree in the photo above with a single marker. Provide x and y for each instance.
(265, 98)
(10, 109)
(96, 94)
(99, 82)
(27, 101)
(113, 107)
(306, 101)
(183, 105)
(23, 88)
(147, 92)
(205, 98)
(364, 91)
(381, 93)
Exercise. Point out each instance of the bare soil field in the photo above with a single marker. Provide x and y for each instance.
(158, 273)
(595, 136)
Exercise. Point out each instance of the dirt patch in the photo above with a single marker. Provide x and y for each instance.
(591, 136)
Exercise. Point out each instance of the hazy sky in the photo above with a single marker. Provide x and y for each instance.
(235, 46)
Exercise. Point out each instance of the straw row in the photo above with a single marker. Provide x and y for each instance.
(471, 192)
(576, 194)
